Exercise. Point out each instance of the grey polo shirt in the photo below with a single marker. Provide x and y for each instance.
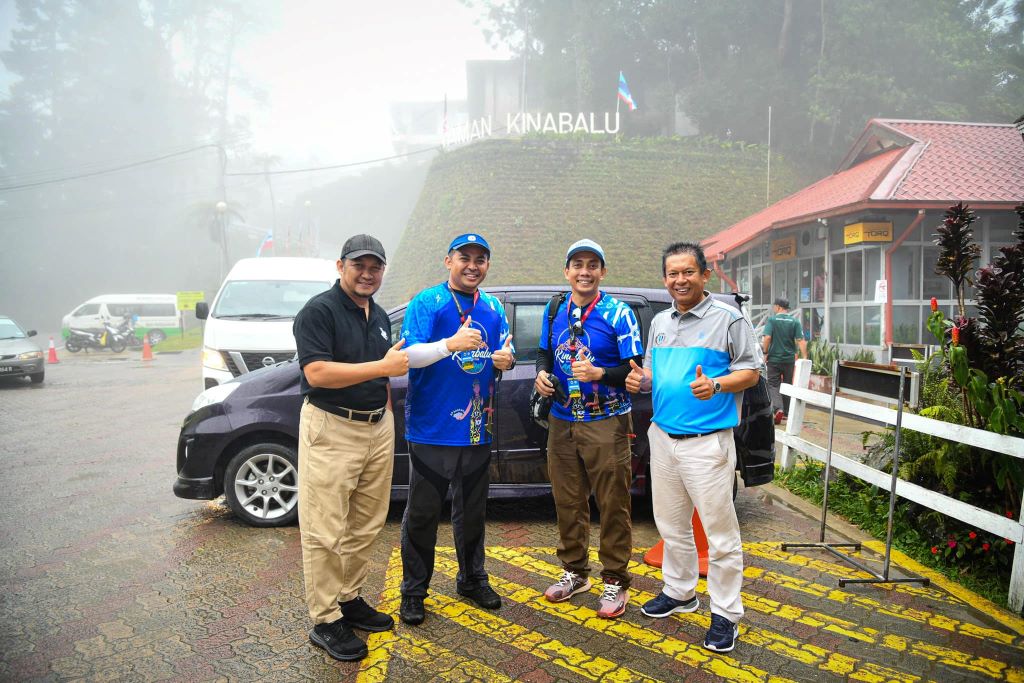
(712, 335)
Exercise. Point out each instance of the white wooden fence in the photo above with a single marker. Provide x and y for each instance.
(997, 524)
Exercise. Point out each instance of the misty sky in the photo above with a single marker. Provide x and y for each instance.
(330, 68)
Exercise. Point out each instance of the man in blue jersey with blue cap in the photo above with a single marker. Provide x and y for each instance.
(701, 356)
(456, 336)
(593, 337)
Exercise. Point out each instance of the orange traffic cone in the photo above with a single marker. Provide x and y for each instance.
(147, 350)
(51, 357)
(653, 556)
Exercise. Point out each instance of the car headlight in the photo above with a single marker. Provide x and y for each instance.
(214, 395)
(30, 355)
(213, 359)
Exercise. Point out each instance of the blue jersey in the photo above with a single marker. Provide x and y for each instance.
(449, 402)
(611, 336)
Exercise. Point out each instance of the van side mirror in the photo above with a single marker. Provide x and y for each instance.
(202, 310)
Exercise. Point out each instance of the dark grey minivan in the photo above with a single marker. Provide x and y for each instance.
(240, 439)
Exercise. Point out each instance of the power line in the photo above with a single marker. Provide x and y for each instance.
(335, 166)
(115, 169)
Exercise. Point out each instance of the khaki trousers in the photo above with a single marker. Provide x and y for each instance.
(584, 458)
(344, 492)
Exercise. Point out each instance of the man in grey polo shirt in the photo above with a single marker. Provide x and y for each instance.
(701, 355)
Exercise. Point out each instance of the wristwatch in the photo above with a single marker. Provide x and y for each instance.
(718, 387)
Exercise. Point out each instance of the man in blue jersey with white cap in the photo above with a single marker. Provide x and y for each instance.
(593, 337)
(701, 355)
(456, 336)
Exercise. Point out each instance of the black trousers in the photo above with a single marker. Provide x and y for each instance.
(433, 469)
(779, 373)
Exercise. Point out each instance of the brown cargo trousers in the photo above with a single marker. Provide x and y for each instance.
(345, 471)
(584, 458)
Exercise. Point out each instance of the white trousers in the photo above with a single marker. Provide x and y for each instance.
(698, 472)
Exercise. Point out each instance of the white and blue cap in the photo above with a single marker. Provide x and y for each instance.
(584, 245)
(468, 239)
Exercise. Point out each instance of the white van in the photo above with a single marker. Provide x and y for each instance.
(249, 325)
(157, 314)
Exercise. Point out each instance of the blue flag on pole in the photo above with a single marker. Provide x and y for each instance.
(624, 94)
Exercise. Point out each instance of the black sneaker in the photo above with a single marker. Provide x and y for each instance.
(411, 611)
(722, 635)
(357, 614)
(482, 595)
(338, 640)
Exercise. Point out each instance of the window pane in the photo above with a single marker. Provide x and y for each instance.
(873, 325)
(854, 276)
(838, 276)
(872, 271)
(766, 285)
(906, 325)
(934, 285)
(88, 309)
(528, 318)
(853, 325)
(906, 273)
(792, 280)
(755, 288)
(818, 272)
(780, 282)
(836, 325)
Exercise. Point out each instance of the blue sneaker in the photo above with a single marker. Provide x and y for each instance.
(722, 635)
(663, 605)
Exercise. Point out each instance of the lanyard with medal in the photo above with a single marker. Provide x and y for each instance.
(574, 384)
(467, 362)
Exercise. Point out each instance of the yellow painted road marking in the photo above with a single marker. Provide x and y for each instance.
(773, 551)
(1008, 619)
(374, 668)
(785, 646)
(848, 629)
(445, 665)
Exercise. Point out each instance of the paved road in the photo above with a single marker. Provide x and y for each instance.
(107, 576)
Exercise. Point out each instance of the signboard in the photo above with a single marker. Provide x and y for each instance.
(881, 291)
(187, 300)
(855, 233)
(784, 249)
(879, 382)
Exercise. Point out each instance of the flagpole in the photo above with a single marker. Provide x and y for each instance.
(768, 179)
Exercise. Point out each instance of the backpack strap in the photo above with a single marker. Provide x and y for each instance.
(553, 306)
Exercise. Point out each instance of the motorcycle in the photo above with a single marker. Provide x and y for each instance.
(127, 330)
(107, 338)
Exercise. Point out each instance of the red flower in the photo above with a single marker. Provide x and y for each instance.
(935, 304)
(1008, 541)
(935, 551)
(985, 547)
(972, 535)
(956, 335)
(952, 544)
(1009, 514)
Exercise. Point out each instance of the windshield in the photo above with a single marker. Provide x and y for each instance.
(266, 299)
(10, 330)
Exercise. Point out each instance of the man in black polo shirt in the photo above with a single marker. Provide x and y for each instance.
(346, 445)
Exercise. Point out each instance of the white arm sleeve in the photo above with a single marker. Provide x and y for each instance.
(428, 353)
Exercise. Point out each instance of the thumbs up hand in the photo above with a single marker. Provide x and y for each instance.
(703, 387)
(635, 378)
(584, 370)
(396, 361)
(503, 358)
(466, 338)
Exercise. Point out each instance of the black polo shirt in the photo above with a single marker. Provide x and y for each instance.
(333, 327)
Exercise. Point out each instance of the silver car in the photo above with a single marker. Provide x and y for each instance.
(19, 355)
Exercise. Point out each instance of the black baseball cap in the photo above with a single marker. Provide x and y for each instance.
(363, 245)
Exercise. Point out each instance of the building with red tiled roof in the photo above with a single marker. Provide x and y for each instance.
(854, 252)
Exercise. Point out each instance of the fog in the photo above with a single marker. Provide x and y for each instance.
(146, 146)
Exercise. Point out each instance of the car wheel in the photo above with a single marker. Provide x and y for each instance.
(261, 485)
(37, 377)
(72, 346)
(156, 336)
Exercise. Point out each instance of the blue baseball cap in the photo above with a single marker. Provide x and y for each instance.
(470, 238)
(584, 245)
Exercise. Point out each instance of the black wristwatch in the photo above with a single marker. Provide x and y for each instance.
(718, 387)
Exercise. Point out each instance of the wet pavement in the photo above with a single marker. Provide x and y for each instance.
(107, 576)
